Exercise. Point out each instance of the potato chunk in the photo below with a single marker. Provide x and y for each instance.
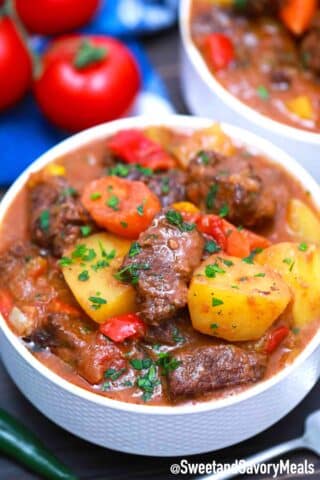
(89, 269)
(235, 300)
(299, 266)
(303, 222)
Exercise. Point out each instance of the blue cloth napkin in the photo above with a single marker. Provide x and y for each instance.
(25, 133)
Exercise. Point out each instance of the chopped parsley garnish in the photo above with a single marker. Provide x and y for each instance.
(124, 224)
(289, 262)
(95, 196)
(296, 330)
(109, 256)
(165, 185)
(69, 192)
(211, 196)
(212, 269)
(106, 386)
(261, 274)
(216, 302)
(99, 265)
(303, 247)
(175, 218)
(113, 202)
(148, 382)
(85, 230)
(263, 93)
(224, 211)
(214, 326)
(167, 363)
(114, 374)
(235, 287)
(141, 363)
(176, 336)
(119, 170)
(96, 302)
(140, 209)
(144, 170)
(250, 258)
(65, 261)
(135, 249)
(44, 220)
(83, 276)
(204, 157)
(228, 263)
(127, 383)
(130, 273)
(212, 247)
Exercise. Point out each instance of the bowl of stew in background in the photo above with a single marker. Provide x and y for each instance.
(156, 384)
(263, 77)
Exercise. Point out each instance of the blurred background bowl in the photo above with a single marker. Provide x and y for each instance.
(206, 97)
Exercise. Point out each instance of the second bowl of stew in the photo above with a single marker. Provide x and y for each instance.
(159, 283)
(256, 63)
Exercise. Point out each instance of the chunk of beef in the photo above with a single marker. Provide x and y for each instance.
(232, 183)
(32, 279)
(168, 186)
(209, 368)
(163, 267)
(56, 215)
(78, 342)
(310, 50)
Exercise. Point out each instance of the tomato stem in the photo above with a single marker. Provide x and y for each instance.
(88, 54)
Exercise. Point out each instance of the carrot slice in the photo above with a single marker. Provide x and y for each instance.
(124, 207)
(298, 14)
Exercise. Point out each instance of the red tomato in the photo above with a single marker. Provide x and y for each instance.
(49, 17)
(219, 50)
(86, 80)
(15, 64)
(122, 327)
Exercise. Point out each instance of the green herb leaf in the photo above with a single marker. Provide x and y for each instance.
(211, 196)
(224, 211)
(204, 157)
(216, 302)
(135, 249)
(113, 202)
(214, 326)
(251, 257)
(114, 374)
(175, 218)
(212, 247)
(96, 302)
(263, 93)
(212, 269)
(95, 196)
(167, 363)
(83, 276)
(85, 230)
(119, 170)
(261, 274)
(303, 247)
(140, 209)
(141, 363)
(65, 261)
(44, 220)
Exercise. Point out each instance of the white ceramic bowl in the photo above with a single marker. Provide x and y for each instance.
(206, 97)
(143, 429)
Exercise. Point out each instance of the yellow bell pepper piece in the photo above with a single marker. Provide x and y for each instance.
(55, 170)
(186, 207)
(301, 106)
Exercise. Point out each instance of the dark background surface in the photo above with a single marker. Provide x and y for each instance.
(95, 463)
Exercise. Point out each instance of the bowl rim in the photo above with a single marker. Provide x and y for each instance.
(275, 154)
(240, 107)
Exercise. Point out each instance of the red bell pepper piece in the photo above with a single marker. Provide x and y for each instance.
(122, 327)
(6, 303)
(219, 50)
(133, 146)
(275, 338)
(214, 226)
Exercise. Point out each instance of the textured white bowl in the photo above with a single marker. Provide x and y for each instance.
(143, 429)
(206, 97)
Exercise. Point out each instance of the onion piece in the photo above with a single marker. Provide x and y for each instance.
(21, 324)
